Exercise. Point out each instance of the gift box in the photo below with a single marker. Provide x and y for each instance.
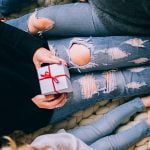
(54, 79)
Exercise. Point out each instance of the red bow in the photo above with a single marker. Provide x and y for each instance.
(48, 75)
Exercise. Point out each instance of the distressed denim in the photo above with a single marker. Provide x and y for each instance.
(81, 19)
(95, 82)
(90, 88)
(106, 53)
(77, 19)
(98, 134)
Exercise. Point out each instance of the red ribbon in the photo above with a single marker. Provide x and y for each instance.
(48, 75)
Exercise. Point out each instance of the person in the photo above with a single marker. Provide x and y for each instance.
(98, 135)
(24, 107)
(19, 52)
(92, 86)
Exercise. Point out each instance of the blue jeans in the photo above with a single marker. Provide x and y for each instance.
(106, 53)
(91, 84)
(9, 6)
(78, 19)
(98, 134)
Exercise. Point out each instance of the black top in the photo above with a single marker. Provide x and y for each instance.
(124, 16)
(19, 82)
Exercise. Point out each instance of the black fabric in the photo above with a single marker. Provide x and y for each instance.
(19, 82)
(124, 16)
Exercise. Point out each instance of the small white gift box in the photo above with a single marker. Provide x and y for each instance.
(54, 79)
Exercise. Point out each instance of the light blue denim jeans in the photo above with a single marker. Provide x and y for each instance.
(76, 19)
(79, 19)
(96, 81)
(112, 52)
(90, 88)
(98, 134)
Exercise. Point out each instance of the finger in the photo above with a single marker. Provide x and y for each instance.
(63, 102)
(49, 98)
(52, 61)
(39, 100)
(63, 62)
(53, 104)
(48, 59)
(43, 98)
(37, 64)
(38, 97)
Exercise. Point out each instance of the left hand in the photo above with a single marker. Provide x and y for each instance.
(42, 55)
(50, 101)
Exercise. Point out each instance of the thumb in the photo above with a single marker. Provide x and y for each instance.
(51, 60)
(39, 97)
(37, 64)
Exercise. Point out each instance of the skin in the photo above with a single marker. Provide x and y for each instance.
(35, 25)
(79, 54)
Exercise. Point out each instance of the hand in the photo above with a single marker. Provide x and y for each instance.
(39, 24)
(42, 55)
(50, 101)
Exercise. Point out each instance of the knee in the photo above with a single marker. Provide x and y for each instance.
(80, 54)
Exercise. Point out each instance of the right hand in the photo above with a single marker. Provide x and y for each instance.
(42, 55)
(50, 101)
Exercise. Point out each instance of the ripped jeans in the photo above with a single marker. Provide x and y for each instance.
(96, 81)
(127, 56)
(90, 83)
(67, 25)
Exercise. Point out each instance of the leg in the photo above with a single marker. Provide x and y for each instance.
(106, 125)
(68, 20)
(90, 88)
(123, 140)
(102, 53)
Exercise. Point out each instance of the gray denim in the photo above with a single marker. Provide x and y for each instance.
(98, 134)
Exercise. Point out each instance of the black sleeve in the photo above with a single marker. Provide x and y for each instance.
(20, 41)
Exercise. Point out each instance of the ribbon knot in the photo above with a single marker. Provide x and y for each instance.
(48, 75)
